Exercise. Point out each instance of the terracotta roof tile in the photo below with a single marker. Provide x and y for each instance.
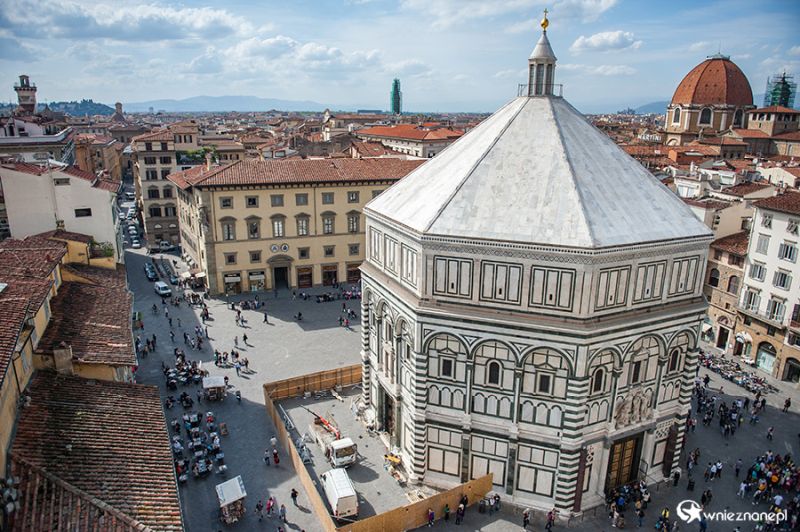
(789, 135)
(776, 109)
(788, 202)
(155, 136)
(716, 80)
(743, 189)
(410, 131)
(750, 133)
(60, 234)
(93, 318)
(706, 203)
(735, 243)
(108, 439)
(34, 257)
(258, 172)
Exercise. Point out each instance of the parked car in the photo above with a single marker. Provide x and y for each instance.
(135, 244)
(173, 279)
(162, 289)
(130, 196)
(150, 272)
(165, 246)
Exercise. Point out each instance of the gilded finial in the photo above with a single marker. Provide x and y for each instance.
(544, 23)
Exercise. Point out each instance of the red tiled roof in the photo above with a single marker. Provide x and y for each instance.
(276, 172)
(33, 257)
(789, 135)
(26, 168)
(108, 439)
(60, 234)
(743, 189)
(371, 149)
(706, 203)
(719, 141)
(93, 318)
(716, 80)
(735, 244)
(410, 131)
(788, 202)
(776, 109)
(157, 135)
(750, 133)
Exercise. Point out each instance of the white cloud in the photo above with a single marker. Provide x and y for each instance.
(448, 13)
(605, 41)
(72, 19)
(409, 68)
(794, 50)
(207, 63)
(510, 73)
(599, 70)
(700, 46)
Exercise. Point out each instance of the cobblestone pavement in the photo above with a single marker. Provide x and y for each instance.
(281, 349)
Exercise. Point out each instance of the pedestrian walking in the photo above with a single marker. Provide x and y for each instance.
(770, 433)
(169, 320)
(446, 513)
(551, 519)
(266, 456)
(236, 341)
(737, 468)
(787, 403)
(431, 517)
(244, 339)
(260, 510)
(526, 518)
(742, 489)
(275, 458)
(274, 442)
(294, 496)
(179, 323)
(282, 513)
(237, 367)
(459, 514)
(270, 504)
(266, 320)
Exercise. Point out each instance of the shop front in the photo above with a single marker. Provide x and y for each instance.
(256, 280)
(305, 277)
(330, 274)
(232, 283)
(791, 370)
(743, 345)
(353, 273)
(765, 357)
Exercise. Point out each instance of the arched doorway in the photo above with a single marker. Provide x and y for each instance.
(765, 357)
(791, 370)
(281, 266)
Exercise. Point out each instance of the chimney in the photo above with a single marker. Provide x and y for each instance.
(208, 161)
(62, 359)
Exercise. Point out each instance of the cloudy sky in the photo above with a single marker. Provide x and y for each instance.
(450, 54)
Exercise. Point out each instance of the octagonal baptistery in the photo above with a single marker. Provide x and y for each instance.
(531, 304)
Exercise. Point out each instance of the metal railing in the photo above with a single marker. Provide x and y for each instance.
(555, 89)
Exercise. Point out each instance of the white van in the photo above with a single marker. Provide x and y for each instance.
(162, 289)
(340, 492)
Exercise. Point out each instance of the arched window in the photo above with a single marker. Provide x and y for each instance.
(705, 116)
(598, 377)
(713, 277)
(737, 118)
(674, 358)
(676, 116)
(733, 285)
(493, 373)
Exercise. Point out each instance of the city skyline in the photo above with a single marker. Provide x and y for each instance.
(451, 56)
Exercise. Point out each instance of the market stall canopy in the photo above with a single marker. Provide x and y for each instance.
(231, 491)
(185, 275)
(216, 381)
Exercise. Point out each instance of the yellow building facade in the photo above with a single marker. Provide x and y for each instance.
(260, 225)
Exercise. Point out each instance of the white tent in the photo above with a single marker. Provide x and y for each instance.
(231, 491)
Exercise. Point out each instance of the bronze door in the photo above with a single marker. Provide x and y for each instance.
(623, 463)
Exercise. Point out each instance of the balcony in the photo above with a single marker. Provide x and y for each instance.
(763, 316)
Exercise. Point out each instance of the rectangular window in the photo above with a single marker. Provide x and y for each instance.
(165, 160)
(303, 253)
(226, 203)
(253, 229)
(327, 198)
(776, 309)
(276, 200)
(636, 372)
(164, 146)
(762, 244)
(164, 173)
(155, 212)
(766, 221)
(787, 251)
(251, 201)
(735, 260)
(301, 199)
(447, 368)
(329, 250)
(167, 192)
(255, 256)
(352, 196)
(545, 383)
(752, 300)
(327, 225)
(151, 175)
(376, 193)
(782, 279)
(302, 226)
(148, 146)
(353, 249)
(228, 231)
(717, 254)
(277, 227)
(757, 271)
(149, 160)
(230, 258)
(83, 213)
(170, 211)
(353, 223)
(791, 227)
(152, 193)
(61, 181)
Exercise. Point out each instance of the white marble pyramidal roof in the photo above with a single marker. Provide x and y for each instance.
(537, 172)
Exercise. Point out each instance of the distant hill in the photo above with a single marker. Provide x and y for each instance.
(81, 108)
(199, 104)
(652, 107)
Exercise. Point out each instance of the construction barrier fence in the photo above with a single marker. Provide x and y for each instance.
(406, 517)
